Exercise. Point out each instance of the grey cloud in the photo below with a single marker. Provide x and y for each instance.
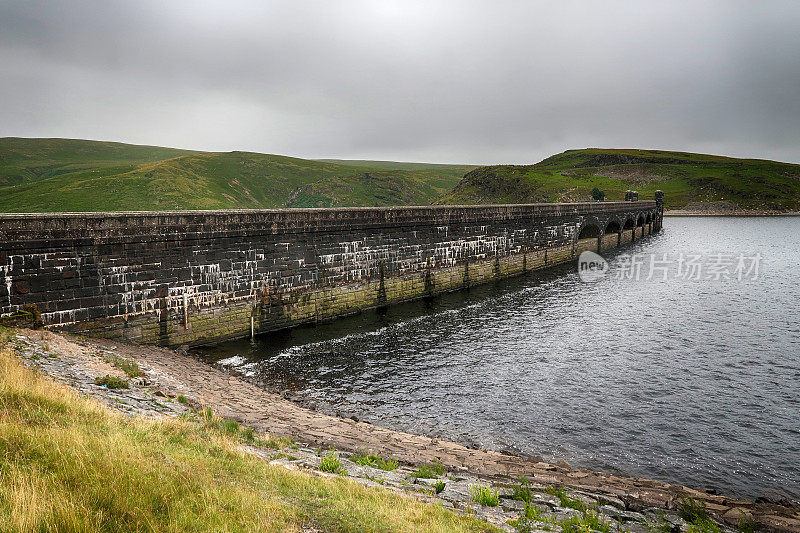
(467, 81)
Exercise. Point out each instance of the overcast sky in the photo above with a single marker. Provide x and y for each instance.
(441, 81)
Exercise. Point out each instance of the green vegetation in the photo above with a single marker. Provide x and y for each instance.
(52, 175)
(692, 510)
(586, 520)
(111, 382)
(566, 501)
(695, 513)
(26, 160)
(533, 512)
(330, 463)
(685, 178)
(131, 368)
(747, 525)
(226, 426)
(183, 399)
(373, 460)
(522, 492)
(660, 525)
(704, 526)
(485, 495)
(27, 317)
(69, 464)
(598, 195)
(438, 486)
(429, 471)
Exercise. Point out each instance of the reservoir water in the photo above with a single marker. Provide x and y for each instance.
(691, 376)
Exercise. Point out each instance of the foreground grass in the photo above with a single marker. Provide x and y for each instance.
(69, 464)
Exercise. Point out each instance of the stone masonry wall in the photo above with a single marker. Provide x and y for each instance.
(197, 277)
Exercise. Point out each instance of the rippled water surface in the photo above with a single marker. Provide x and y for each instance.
(688, 381)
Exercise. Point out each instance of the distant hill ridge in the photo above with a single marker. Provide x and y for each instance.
(41, 175)
(53, 175)
(745, 184)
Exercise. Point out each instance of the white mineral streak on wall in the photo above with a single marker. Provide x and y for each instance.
(6, 269)
(8, 288)
(58, 262)
(209, 285)
(357, 260)
(59, 317)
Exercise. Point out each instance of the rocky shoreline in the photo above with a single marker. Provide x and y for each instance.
(176, 384)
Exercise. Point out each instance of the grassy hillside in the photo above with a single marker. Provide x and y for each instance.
(94, 176)
(684, 177)
(24, 160)
(69, 464)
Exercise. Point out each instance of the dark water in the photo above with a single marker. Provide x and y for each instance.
(689, 381)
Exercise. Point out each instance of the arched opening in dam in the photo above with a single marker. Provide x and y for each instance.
(628, 224)
(640, 221)
(612, 227)
(589, 231)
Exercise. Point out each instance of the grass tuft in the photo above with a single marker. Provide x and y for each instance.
(330, 463)
(111, 382)
(522, 493)
(747, 525)
(429, 471)
(438, 486)
(376, 461)
(692, 510)
(660, 525)
(533, 512)
(565, 500)
(130, 367)
(485, 495)
(585, 521)
(695, 513)
(704, 526)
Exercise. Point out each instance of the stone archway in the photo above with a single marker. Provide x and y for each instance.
(589, 231)
(612, 227)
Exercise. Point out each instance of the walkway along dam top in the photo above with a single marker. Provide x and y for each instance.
(199, 277)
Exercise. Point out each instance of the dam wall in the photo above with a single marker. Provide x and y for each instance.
(200, 277)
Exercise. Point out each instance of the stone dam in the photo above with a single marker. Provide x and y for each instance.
(201, 277)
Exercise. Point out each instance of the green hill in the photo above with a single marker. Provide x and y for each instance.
(685, 178)
(25, 160)
(46, 175)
